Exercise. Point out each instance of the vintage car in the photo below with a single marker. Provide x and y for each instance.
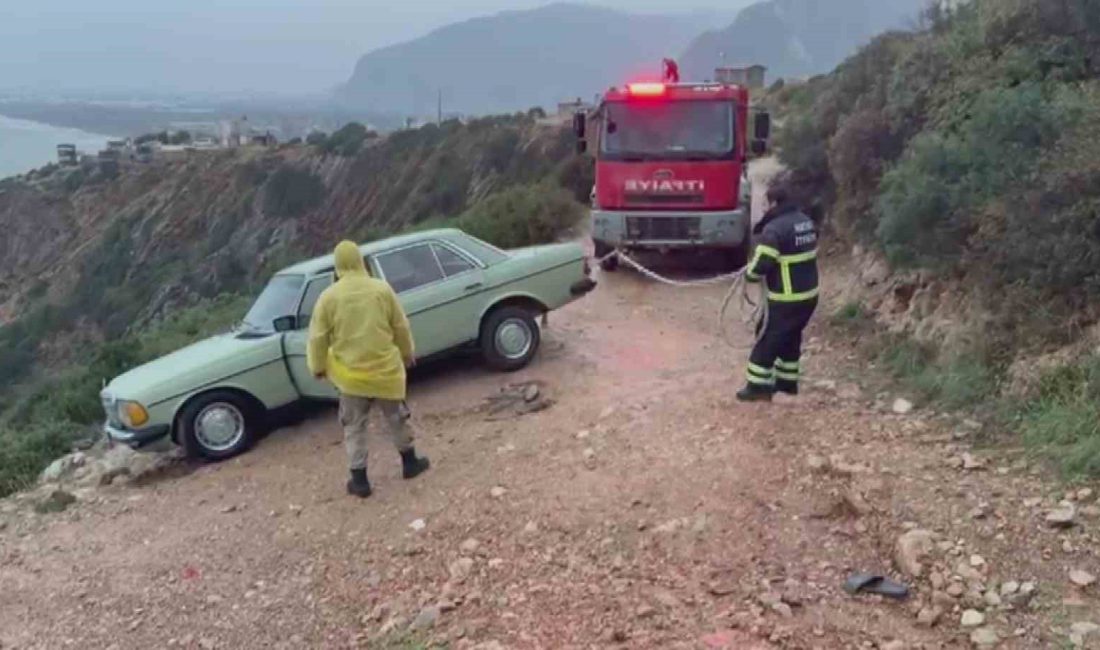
(213, 397)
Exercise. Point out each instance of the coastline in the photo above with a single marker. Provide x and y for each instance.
(28, 144)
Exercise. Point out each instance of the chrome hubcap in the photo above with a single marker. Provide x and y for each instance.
(219, 426)
(514, 338)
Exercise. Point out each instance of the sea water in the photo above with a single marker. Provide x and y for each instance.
(25, 145)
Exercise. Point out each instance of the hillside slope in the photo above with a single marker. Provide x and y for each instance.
(796, 37)
(964, 159)
(517, 59)
(90, 265)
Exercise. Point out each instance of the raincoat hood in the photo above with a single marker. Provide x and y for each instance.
(348, 260)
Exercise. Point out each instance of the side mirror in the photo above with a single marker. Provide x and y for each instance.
(760, 147)
(763, 128)
(285, 324)
(580, 125)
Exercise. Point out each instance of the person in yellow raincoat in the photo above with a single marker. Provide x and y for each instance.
(359, 338)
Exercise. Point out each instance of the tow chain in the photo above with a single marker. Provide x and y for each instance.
(754, 312)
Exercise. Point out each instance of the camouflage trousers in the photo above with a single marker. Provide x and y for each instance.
(355, 417)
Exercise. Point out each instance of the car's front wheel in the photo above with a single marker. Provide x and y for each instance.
(510, 338)
(218, 425)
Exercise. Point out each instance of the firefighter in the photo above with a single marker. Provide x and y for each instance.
(671, 73)
(786, 260)
(359, 338)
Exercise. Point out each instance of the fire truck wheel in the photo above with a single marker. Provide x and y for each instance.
(602, 250)
(738, 258)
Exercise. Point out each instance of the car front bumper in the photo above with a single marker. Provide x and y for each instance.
(156, 436)
(619, 229)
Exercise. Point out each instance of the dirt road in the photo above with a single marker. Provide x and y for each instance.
(644, 509)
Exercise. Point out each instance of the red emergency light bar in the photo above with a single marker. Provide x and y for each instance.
(646, 89)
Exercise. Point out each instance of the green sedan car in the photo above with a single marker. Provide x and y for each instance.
(212, 397)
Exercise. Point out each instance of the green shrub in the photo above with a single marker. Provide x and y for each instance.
(25, 451)
(953, 381)
(347, 140)
(292, 191)
(522, 216)
(1062, 419)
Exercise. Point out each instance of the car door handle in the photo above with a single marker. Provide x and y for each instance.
(476, 285)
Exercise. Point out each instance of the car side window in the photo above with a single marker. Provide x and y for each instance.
(409, 268)
(309, 300)
(452, 263)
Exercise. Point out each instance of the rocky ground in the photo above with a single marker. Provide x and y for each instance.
(613, 494)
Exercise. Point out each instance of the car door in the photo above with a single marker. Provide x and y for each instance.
(439, 286)
(295, 343)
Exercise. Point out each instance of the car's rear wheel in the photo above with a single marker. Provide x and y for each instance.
(602, 252)
(218, 425)
(510, 338)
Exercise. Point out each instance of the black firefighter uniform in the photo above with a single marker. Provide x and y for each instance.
(786, 260)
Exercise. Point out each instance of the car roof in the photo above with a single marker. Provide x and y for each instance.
(325, 262)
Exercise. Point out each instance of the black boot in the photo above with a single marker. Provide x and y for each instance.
(412, 465)
(786, 386)
(754, 393)
(358, 485)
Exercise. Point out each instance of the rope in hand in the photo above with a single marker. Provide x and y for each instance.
(754, 313)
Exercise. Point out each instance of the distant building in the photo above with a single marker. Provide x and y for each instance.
(266, 139)
(67, 155)
(751, 76)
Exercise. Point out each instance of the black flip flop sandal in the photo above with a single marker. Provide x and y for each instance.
(872, 583)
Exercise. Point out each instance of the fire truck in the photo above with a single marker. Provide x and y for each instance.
(671, 161)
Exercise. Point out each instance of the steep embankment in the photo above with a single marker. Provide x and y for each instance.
(89, 257)
(962, 160)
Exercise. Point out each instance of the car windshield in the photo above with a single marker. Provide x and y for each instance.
(668, 130)
(279, 298)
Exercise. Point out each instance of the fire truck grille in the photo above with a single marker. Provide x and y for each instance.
(663, 199)
(662, 228)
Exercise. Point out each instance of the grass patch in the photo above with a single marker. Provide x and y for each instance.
(950, 381)
(851, 317)
(1061, 420)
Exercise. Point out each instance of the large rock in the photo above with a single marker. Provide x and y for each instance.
(63, 468)
(912, 548)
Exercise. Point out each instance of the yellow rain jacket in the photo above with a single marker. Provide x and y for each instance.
(359, 334)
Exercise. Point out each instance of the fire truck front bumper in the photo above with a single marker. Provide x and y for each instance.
(667, 230)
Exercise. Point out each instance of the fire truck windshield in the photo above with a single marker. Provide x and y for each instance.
(667, 130)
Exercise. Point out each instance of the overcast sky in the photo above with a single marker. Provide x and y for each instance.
(292, 46)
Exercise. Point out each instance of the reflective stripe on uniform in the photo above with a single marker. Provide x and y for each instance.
(753, 379)
(787, 376)
(760, 371)
(763, 249)
(799, 257)
(789, 366)
(785, 262)
(792, 297)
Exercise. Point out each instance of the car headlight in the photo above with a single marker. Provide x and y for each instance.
(132, 414)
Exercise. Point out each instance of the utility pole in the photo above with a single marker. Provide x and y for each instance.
(439, 108)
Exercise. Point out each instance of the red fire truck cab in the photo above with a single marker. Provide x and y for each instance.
(671, 163)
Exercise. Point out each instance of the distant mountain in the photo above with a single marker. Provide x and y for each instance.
(796, 37)
(518, 59)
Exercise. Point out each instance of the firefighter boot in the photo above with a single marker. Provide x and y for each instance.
(413, 465)
(358, 485)
(786, 386)
(754, 393)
